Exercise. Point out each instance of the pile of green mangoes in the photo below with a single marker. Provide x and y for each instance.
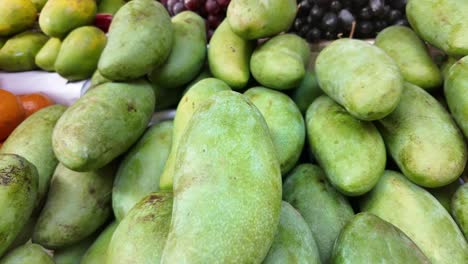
(360, 158)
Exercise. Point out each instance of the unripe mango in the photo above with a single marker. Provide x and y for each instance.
(97, 252)
(45, 58)
(29, 253)
(19, 52)
(455, 90)
(460, 208)
(16, 16)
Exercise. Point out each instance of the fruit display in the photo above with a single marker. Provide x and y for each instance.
(276, 151)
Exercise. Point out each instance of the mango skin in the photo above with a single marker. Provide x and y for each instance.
(29, 253)
(187, 55)
(73, 254)
(45, 58)
(456, 93)
(97, 252)
(80, 52)
(411, 55)
(446, 65)
(460, 208)
(249, 192)
(16, 16)
(19, 52)
(18, 193)
(32, 139)
(419, 215)
(140, 237)
(97, 79)
(78, 203)
(192, 99)
(229, 56)
(109, 6)
(441, 23)
(116, 113)
(361, 77)
(39, 4)
(294, 242)
(59, 17)
(252, 19)
(152, 37)
(388, 244)
(2, 41)
(324, 209)
(140, 171)
(281, 62)
(423, 139)
(285, 122)
(444, 194)
(351, 152)
(307, 91)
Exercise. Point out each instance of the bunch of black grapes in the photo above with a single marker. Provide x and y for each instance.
(331, 19)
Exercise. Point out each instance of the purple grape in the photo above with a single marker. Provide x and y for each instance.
(398, 4)
(329, 22)
(395, 15)
(335, 6)
(214, 21)
(177, 8)
(212, 7)
(223, 3)
(193, 5)
(365, 13)
(377, 7)
(346, 19)
(313, 35)
(402, 22)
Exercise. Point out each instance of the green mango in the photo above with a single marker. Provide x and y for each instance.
(361, 77)
(109, 6)
(187, 55)
(18, 194)
(253, 19)
(59, 17)
(151, 31)
(294, 242)
(140, 237)
(97, 79)
(350, 151)
(45, 58)
(369, 239)
(216, 174)
(460, 208)
(73, 254)
(2, 42)
(285, 122)
(78, 203)
(281, 62)
(307, 91)
(441, 23)
(456, 93)
(103, 124)
(80, 52)
(423, 139)
(445, 193)
(25, 233)
(32, 139)
(189, 103)
(411, 55)
(419, 215)
(19, 52)
(16, 16)
(39, 4)
(139, 172)
(97, 252)
(229, 56)
(29, 253)
(324, 209)
(446, 65)
(204, 74)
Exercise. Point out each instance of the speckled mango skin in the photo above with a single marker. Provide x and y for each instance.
(285, 122)
(460, 208)
(45, 58)
(16, 16)
(237, 197)
(29, 253)
(294, 242)
(324, 209)
(361, 77)
(441, 23)
(411, 55)
(103, 124)
(18, 193)
(229, 56)
(97, 252)
(187, 55)
(19, 52)
(281, 62)
(192, 99)
(78, 203)
(140, 171)
(350, 151)
(253, 19)
(32, 139)
(58, 17)
(369, 239)
(419, 215)
(152, 37)
(140, 237)
(456, 93)
(423, 139)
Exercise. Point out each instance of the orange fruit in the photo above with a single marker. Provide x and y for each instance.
(11, 113)
(34, 102)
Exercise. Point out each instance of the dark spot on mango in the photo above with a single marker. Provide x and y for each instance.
(131, 107)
